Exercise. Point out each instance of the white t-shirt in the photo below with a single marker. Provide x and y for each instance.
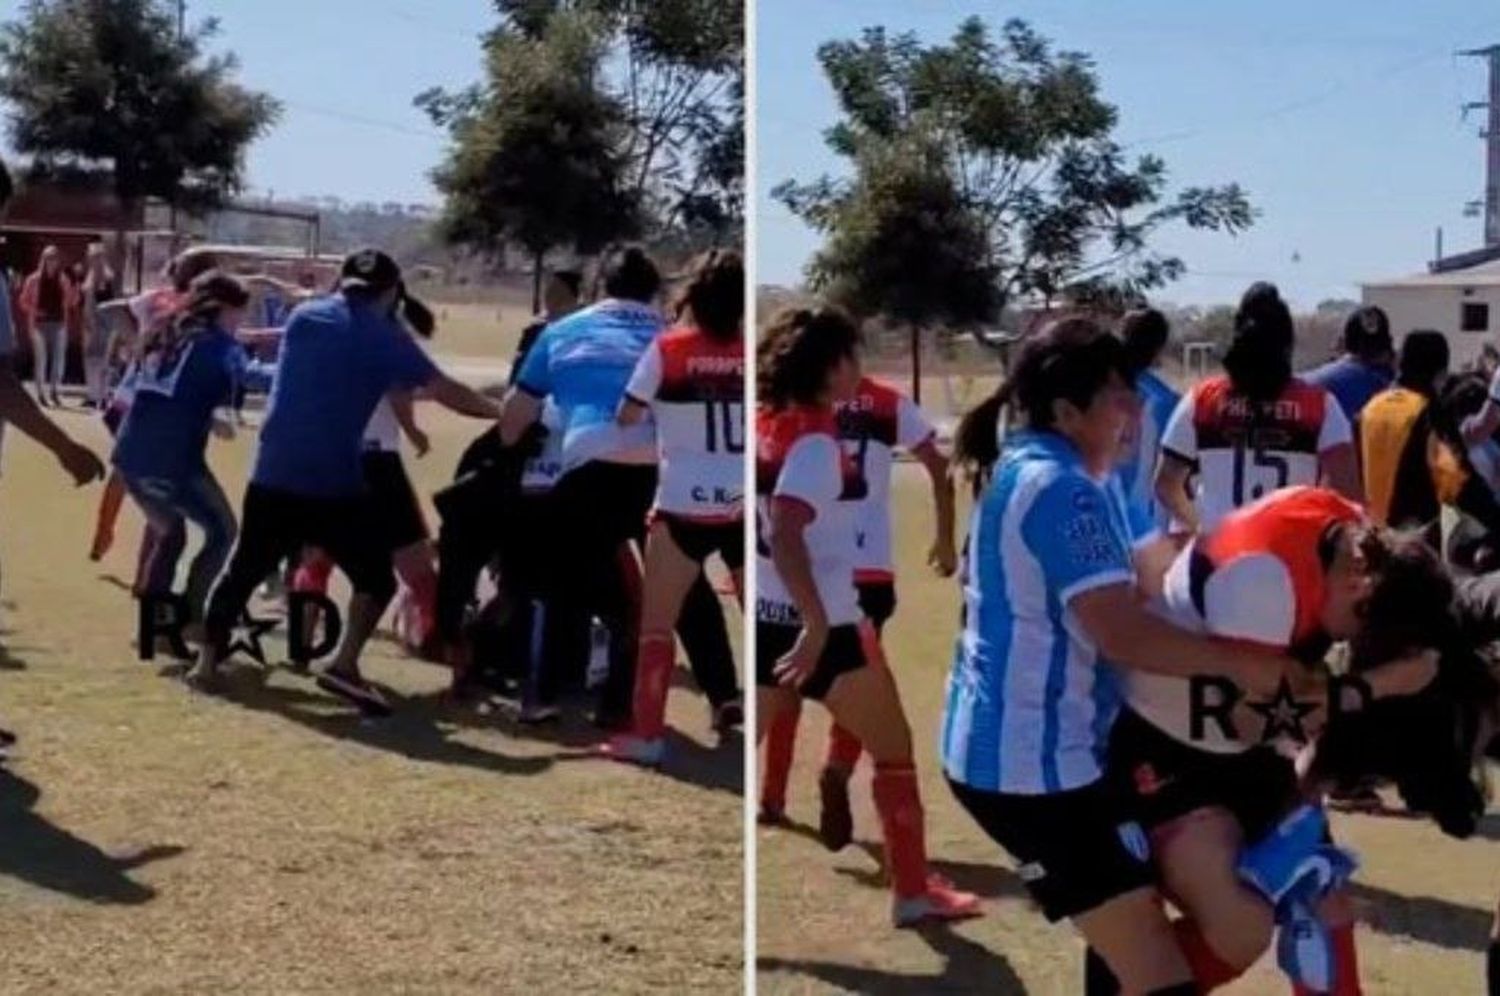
(383, 433)
(1242, 455)
(695, 388)
(872, 425)
(542, 471)
(811, 470)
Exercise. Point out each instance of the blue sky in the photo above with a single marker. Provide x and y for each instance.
(347, 71)
(1340, 118)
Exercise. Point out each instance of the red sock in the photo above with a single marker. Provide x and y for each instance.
(313, 573)
(843, 749)
(900, 807)
(781, 742)
(653, 676)
(1209, 970)
(1345, 966)
(422, 585)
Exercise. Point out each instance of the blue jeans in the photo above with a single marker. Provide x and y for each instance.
(168, 505)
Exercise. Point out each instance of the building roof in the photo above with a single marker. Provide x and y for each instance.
(1483, 275)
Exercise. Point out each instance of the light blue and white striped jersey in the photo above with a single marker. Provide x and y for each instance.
(1138, 469)
(582, 363)
(1029, 701)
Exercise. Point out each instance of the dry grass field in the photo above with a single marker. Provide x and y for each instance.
(822, 919)
(153, 841)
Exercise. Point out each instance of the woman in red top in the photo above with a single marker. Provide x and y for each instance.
(812, 639)
(692, 381)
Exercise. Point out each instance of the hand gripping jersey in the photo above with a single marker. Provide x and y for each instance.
(798, 457)
(1243, 450)
(872, 424)
(1258, 576)
(695, 388)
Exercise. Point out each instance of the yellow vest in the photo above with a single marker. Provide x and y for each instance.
(1385, 426)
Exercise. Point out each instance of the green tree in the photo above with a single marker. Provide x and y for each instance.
(1025, 140)
(677, 69)
(535, 160)
(110, 84)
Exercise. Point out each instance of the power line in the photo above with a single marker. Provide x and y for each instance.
(368, 122)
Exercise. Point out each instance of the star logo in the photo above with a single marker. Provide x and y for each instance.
(1283, 714)
(246, 636)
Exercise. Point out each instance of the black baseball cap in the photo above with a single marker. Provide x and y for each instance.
(375, 271)
(369, 269)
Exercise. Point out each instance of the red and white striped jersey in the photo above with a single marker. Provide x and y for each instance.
(1244, 450)
(872, 425)
(695, 388)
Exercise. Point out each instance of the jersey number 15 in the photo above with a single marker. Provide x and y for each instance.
(1262, 459)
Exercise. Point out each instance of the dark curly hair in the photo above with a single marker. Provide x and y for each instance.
(797, 351)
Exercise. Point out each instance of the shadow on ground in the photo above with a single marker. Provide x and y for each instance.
(718, 768)
(40, 853)
(412, 732)
(969, 968)
(1422, 918)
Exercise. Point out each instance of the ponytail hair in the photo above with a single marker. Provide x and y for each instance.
(714, 298)
(1071, 359)
(1145, 332)
(1259, 360)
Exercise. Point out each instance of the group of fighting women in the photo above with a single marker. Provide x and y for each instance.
(1132, 559)
(606, 400)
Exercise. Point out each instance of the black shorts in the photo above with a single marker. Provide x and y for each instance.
(398, 515)
(701, 540)
(1167, 779)
(877, 600)
(845, 651)
(1074, 850)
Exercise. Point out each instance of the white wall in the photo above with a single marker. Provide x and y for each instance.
(1439, 308)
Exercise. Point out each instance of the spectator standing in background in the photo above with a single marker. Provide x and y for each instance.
(45, 301)
(97, 287)
(1367, 366)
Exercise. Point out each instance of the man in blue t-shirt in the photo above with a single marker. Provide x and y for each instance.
(1367, 366)
(339, 356)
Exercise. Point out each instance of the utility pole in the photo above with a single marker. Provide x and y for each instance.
(1491, 135)
(181, 33)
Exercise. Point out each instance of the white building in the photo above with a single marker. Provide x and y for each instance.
(1462, 302)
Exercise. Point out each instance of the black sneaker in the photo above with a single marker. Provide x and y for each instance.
(728, 716)
(7, 741)
(835, 820)
(356, 690)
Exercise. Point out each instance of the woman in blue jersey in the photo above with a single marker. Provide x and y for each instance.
(1050, 593)
(185, 370)
(1145, 333)
(582, 364)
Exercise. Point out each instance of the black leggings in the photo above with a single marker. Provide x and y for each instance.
(559, 548)
(277, 524)
(585, 572)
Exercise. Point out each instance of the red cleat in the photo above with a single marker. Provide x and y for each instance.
(941, 902)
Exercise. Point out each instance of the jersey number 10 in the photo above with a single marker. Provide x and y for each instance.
(724, 426)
